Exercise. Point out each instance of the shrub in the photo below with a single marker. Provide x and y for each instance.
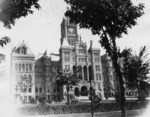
(80, 108)
(142, 95)
(117, 97)
(32, 101)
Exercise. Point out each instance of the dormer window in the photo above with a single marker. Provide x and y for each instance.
(23, 50)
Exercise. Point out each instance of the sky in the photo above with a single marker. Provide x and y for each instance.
(41, 30)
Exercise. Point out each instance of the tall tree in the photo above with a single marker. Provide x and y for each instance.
(109, 19)
(10, 10)
(68, 78)
(136, 70)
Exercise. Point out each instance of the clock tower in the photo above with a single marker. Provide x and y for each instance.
(69, 32)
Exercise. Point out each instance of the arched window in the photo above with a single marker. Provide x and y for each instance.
(85, 73)
(19, 66)
(84, 91)
(74, 69)
(23, 67)
(66, 56)
(16, 67)
(30, 67)
(80, 73)
(26, 67)
(77, 93)
(30, 79)
(23, 50)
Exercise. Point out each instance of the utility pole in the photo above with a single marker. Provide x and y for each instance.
(91, 95)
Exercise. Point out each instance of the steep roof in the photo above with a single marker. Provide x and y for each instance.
(65, 44)
(16, 49)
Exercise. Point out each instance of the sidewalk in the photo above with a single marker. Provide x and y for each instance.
(132, 113)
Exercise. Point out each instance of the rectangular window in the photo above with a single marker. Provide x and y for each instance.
(29, 97)
(96, 59)
(97, 67)
(29, 90)
(40, 90)
(36, 89)
(67, 58)
(36, 97)
(67, 67)
(98, 77)
(25, 98)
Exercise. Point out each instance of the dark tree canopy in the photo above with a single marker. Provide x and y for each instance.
(136, 67)
(67, 77)
(109, 19)
(4, 41)
(106, 17)
(10, 10)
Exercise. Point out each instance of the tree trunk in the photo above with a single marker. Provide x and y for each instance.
(68, 97)
(91, 95)
(122, 101)
(122, 90)
(139, 90)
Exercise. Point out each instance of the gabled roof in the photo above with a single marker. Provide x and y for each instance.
(15, 50)
(65, 44)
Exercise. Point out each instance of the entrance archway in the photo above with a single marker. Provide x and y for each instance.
(76, 91)
(84, 91)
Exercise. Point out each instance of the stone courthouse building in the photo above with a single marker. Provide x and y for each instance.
(34, 77)
(22, 72)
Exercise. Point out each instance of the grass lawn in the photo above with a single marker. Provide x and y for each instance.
(80, 107)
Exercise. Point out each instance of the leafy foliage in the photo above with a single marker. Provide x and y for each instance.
(67, 77)
(4, 41)
(10, 10)
(136, 68)
(14, 9)
(109, 19)
(106, 17)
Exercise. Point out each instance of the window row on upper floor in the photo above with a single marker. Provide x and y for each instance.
(67, 59)
(81, 51)
(97, 67)
(23, 67)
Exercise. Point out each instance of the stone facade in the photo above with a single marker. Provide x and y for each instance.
(42, 70)
(45, 74)
(73, 53)
(22, 73)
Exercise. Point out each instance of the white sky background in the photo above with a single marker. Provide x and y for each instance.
(41, 30)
